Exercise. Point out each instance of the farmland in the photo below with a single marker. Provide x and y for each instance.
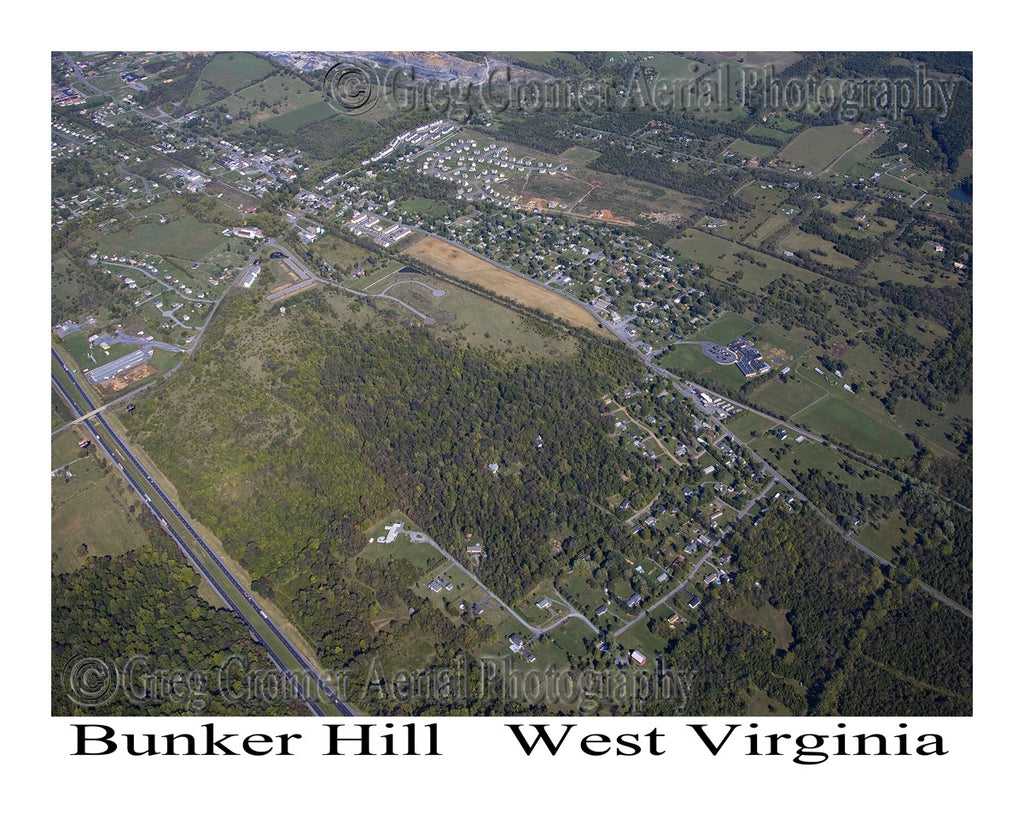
(510, 373)
(469, 268)
(817, 148)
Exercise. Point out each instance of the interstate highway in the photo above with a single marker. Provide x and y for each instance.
(319, 695)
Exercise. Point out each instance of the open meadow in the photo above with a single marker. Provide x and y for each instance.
(462, 265)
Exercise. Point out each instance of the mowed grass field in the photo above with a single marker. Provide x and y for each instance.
(462, 265)
(88, 508)
(184, 237)
(816, 148)
(741, 146)
(724, 330)
(859, 154)
(483, 323)
(722, 257)
(578, 155)
(836, 418)
(789, 398)
(231, 72)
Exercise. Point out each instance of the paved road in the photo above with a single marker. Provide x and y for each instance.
(671, 594)
(224, 583)
(80, 76)
(309, 274)
(423, 537)
(828, 521)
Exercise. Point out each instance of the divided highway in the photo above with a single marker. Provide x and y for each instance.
(319, 695)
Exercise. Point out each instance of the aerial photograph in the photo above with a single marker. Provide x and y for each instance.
(511, 384)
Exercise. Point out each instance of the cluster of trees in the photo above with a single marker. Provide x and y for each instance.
(647, 167)
(942, 550)
(848, 622)
(433, 416)
(333, 423)
(138, 616)
(821, 223)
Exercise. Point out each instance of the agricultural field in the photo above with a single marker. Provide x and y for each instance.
(93, 509)
(817, 148)
(798, 241)
(859, 153)
(276, 95)
(675, 66)
(841, 421)
(544, 58)
(721, 259)
(300, 116)
(469, 268)
(751, 149)
(228, 73)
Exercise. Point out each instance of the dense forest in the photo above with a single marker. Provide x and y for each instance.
(862, 643)
(169, 652)
(332, 423)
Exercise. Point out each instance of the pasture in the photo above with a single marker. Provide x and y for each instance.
(228, 72)
(816, 148)
(476, 320)
(843, 422)
(722, 258)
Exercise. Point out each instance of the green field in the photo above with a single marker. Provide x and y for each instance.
(724, 330)
(720, 258)
(423, 207)
(94, 512)
(291, 121)
(543, 58)
(744, 148)
(421, 555)
(786, 399)
(821, 249)
(579, 156)
(344, 256)
(474, 319)
(770, 620)
(860, 154)
(585, 596)
(887, 535)
(836, 418)
(747, 425)
(689, 361)
(184, 237)
(815, 148)
(228, 72)
(675, 67)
